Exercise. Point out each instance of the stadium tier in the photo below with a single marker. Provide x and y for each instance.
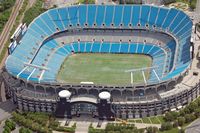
(39, 56)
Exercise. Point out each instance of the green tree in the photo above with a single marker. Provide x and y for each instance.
(166, 126)
(10, 124)
(197, 112)
(181, 130)
(6, 128)
(192, 106)
(181, 121)
(189, 118)
(24, 130)
(193, 4)
(87, 1)
(151, 129)
(170, 116)
(175, 123)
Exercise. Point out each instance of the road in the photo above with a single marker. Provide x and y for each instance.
(8, 27)
(5, 35)
(194, 127)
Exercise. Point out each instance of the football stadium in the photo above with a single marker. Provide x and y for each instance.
(108, 61)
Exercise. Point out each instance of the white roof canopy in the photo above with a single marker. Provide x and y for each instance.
(104, 95)
(64, 94)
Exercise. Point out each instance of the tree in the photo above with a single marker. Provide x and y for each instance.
(170, 116)
(166, 126)
(186, 110)
(193, 4)
(181, 130)
(87, 1)
(182, 112)
(10, 124)
(181, 121)
(197, 112)
(175, 123)
(189, 117)
(192, 106)
(7, 129)
(24, 130)
(151, 129)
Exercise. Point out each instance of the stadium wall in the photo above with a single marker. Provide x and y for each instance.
(136, 109)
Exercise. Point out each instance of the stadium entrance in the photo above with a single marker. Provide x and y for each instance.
(84, 108)
(69, 106)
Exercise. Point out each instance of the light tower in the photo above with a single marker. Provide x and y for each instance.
(105, 106)
(63, 108)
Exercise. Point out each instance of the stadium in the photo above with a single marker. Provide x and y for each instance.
(109, 61)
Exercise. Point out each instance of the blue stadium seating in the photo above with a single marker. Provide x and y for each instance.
(34, 49)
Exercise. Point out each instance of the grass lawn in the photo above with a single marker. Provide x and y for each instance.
(154, 120)
(103, 68)
(161, 118)
(146, 120)
(131, 120)
(173, 130)
(138, 121)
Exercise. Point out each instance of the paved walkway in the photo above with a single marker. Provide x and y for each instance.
(6, 109)
(143, 125)
(194, 127)
(83, 123)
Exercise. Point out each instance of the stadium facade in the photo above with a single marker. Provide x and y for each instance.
(162, 33)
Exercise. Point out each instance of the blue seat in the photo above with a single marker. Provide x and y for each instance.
(46, 18)
(91, 16)
(136, 15)
(117, 15)
(105, 47)
(161, 17)
(96, 47)
(82, 46)
(144, 15)
(124, 48)
(100, 15)
(153, 15)
(147, 48)
(132, 48)
(42, 25)
(140, 48)
(82, 15)
(55, 16)
(177, 20)
(63, 13)
(73, 14)
(172, 13)
(75, 46)
(115, 47)
(126, 16)
(108, 15)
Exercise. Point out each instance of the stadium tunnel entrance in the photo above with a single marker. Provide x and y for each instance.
(84, 108)
(98, 107)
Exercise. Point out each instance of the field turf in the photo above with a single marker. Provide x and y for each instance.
(106, 69)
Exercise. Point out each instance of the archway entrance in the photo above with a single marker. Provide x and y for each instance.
(84, 109)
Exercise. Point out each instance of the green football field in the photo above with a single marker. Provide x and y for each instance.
(106, 69)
